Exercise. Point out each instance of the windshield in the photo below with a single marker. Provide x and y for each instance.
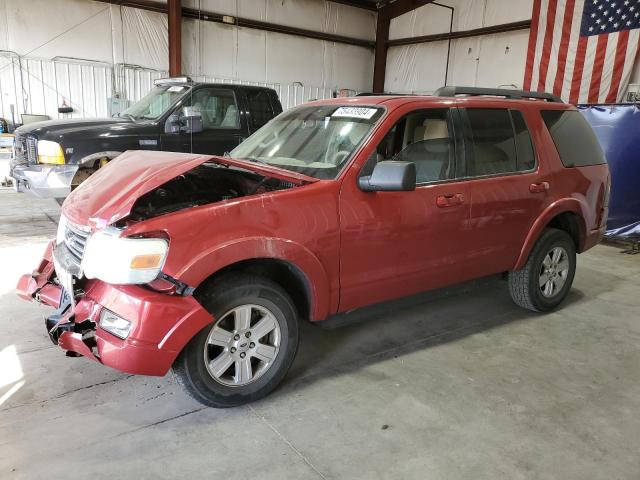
(315, 140)
(155, 103)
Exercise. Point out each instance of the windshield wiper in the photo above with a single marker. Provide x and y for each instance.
(128, 115)
(255, 160)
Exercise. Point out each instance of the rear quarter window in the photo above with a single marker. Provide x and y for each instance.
(576, 143)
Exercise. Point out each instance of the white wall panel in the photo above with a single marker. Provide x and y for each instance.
(309, 14)
(507, 11)
(416, 68)
(50, 28)
(145, 38)
(488, 61)
(502, 59)
(463, 64)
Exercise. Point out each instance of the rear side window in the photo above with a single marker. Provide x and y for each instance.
(260, 108)
(499, 142)
(526, 158)
(575, 141)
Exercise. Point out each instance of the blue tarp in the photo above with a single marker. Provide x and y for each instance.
(618, 130)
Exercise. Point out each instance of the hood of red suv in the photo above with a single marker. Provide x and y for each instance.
(109, 194)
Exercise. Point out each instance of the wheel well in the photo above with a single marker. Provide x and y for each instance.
(569, 222)
(285, 274)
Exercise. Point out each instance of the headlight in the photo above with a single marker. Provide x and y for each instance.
(50, 152)
(114, 324)
(62, 228)
(120, 261)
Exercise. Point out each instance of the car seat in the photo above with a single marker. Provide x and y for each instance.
(230, 117)
(429, 150)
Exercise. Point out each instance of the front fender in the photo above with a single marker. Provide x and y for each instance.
(91, 158)
(250, 248)
(571, 205)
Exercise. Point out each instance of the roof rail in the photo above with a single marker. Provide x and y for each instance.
(495, 92)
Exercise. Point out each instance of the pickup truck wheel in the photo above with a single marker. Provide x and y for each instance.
(249, 348)
(546, 278)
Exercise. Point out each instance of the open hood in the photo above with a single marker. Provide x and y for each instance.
(109, 194)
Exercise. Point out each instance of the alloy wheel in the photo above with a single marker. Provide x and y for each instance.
(554, 271)
(242, 345)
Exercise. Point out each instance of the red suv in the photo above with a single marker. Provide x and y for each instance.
(206, 264)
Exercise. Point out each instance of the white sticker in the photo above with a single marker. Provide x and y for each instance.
(175, 89)
(355, 112)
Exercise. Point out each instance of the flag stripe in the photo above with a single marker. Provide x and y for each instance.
(573, 48)
(531, 51)
(555, 43)
(621, 53)
(629, 62)
(596, 72)
(545, 56)
(577, 69)
(608, 67)
(564, 47)
(544, 6)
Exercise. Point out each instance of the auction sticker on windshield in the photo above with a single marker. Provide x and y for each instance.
(355, 112)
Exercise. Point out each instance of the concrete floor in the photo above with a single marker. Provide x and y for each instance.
(462, 385)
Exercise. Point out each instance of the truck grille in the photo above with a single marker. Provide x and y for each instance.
(75, 239)
(25, 149)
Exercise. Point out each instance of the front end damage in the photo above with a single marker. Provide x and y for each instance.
(134, 328)
(160, 323)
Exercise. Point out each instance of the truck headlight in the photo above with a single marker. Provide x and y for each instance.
(50, 152)
(120, 261)
(62, 229)
(114, 324)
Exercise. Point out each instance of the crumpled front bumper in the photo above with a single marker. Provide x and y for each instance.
(46, 181)
(162, 324)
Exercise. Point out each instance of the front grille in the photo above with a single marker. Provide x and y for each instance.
(32, 151)
(75, 239)
(25, 149)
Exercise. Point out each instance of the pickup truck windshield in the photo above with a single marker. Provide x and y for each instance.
(155, 103)
(315, 140)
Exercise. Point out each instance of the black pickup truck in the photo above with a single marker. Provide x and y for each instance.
(53, 157)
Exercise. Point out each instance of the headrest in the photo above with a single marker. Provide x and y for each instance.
(435, 129)
(431, 129)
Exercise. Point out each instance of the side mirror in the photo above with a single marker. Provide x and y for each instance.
(191, 120)
(188, 121)
(390, 176)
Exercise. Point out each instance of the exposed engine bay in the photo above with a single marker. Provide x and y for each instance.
(208, 183)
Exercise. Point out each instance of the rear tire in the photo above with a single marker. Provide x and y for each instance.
(249, 348)
(545, 280)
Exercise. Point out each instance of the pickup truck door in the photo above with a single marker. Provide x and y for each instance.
(399, 243)
(223, 126)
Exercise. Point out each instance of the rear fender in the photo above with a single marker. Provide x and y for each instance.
(211, 261)
(564, 205)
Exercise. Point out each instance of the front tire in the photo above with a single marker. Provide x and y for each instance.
(545, 280)
(248, 349)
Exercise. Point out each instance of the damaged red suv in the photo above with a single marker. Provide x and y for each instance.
(206, 264)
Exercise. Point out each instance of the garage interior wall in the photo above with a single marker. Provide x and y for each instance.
(489, 60)
(494, 60)
(83, 53)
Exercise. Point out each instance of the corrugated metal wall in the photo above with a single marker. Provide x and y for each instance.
(39, 87)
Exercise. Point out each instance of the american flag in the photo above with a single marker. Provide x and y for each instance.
(583, 50)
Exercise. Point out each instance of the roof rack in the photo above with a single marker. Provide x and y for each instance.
(496, 92)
